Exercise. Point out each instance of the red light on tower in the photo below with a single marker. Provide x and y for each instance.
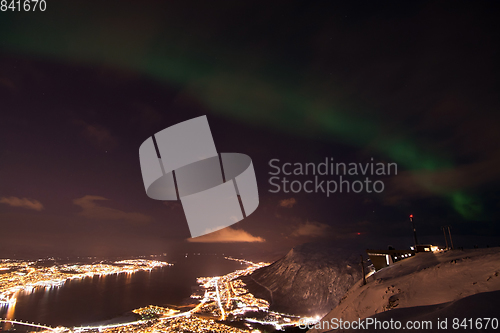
(414, 231)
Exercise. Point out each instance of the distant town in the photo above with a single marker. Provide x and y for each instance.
(220, 303)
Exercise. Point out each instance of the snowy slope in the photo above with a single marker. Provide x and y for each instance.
(477, 307)
(426, 279)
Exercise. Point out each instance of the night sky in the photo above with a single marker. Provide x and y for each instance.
(84, 83)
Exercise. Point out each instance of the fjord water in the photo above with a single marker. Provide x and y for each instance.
(95, 299)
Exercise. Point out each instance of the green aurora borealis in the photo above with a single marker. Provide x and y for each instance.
(261, 88)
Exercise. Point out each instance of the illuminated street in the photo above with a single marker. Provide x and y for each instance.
(222, 299)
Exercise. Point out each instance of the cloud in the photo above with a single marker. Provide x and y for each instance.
(98, 135)
(146, 116)
(24, 203)
(288, 203)
(421, 183)
(92, 210)
(311, 229)
(7, 83)
(172, 204)
(227, 235)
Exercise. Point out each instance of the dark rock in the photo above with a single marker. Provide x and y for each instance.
(310, 280)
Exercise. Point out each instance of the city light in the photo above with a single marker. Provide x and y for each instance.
(221, 299)
(27, 276)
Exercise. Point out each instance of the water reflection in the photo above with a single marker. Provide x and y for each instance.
(11, 309)
(100, 298)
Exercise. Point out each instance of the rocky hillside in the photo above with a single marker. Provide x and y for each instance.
(309, 280)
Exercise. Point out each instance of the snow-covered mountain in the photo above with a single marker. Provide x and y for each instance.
(452, 284)
(310, 280)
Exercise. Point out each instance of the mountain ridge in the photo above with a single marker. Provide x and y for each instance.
(309, 280)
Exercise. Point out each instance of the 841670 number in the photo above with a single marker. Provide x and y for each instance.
(478, 323)
(23, 5)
